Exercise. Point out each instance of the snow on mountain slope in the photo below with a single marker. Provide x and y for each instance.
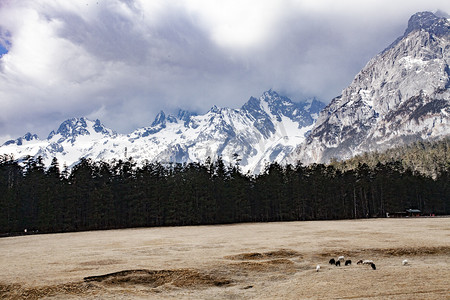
(400, 96)
(74, 139)
(262, 131)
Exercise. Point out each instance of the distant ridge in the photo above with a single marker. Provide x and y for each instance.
(263, 130)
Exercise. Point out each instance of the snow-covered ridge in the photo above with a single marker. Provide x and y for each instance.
(264, 130)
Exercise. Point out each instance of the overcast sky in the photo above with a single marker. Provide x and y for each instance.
(122, 61)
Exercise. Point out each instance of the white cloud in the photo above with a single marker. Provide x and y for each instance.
(238, 23)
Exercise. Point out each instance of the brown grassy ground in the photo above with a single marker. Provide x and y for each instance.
(243, 261)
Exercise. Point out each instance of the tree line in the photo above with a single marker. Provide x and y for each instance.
(120, 194)
(426, 157)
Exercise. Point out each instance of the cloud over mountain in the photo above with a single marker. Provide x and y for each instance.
(116, 59)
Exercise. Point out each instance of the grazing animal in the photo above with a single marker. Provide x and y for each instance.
(404, 262)
(348, 262)
(341, 258)
(373, 266)
(317, 268)
(338, 263)
(365, 262)
(332, 261)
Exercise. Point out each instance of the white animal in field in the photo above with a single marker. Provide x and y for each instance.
(365, 262)
(405, 262)
(341, 258)
(317, 268)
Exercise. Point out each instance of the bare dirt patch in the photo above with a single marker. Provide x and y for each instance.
(102, 262)
(17, 291)
(283, 253)
(410, 251)
(390, 252)
(156, 278)
(264, 266)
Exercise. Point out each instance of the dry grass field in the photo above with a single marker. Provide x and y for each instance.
(242, 261)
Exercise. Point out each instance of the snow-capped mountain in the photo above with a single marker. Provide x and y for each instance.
(401, 95)
(75, 138)
(264, 130)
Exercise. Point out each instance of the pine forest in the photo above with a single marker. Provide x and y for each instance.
(119, 194)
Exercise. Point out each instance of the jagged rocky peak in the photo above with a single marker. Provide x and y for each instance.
(428, 21)
(160, 119)
(272, 97)
(252, 104)
(71, 128)
(29, 137)
(216, 110)
(313, 106)
(100, 128)
(262, 121)
(281, 105)
(304, 112)
(253, 107)
(19, 141)
(185, 115)
(436, 24)
(157, 125)
(74, 127)
(271, 108)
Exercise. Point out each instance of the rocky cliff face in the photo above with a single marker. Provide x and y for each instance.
(401, 95)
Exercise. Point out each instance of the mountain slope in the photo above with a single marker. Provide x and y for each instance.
(401, 95)
(264, 130)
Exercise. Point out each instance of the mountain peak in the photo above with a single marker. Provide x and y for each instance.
(185, 116)
(215, 109)
(270, 93)
(252, 104)
(100, 128)
(19, 141)
(71, 128)
(433, 23)
(400, 96)
(427, 21)
(272, 96)
(313, 106)
(160, 119)
(271, 106)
